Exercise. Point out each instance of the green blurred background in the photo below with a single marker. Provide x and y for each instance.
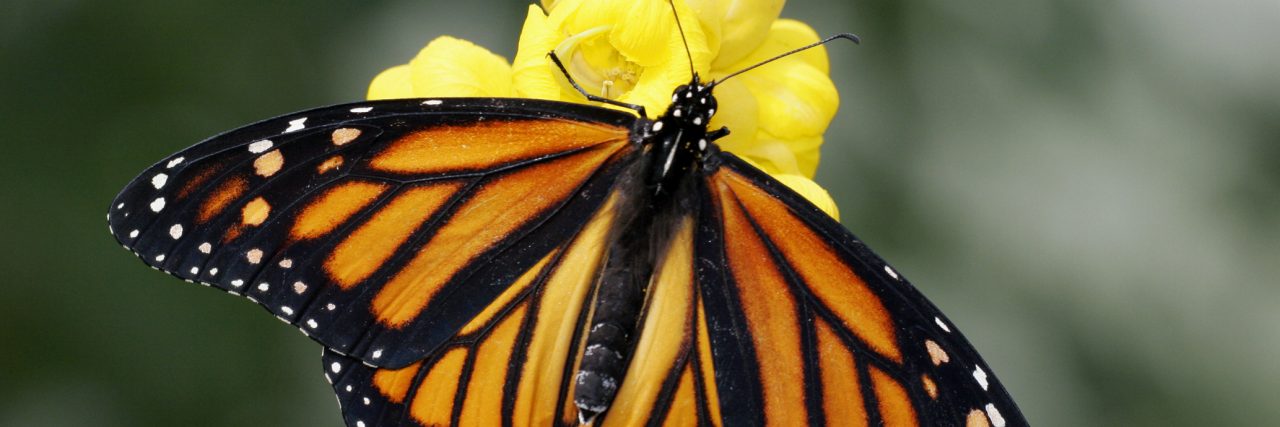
(1090, 189)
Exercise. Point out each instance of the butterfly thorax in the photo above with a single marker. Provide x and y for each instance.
(680, 137)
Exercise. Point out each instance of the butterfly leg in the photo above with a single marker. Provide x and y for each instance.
(638, 108)
(717, 134)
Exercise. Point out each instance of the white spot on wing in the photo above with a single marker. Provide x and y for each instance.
(175, 162)
(377, 353)
(299, 287)
(159, 180)
(359, 423)
(330, 306)
(260, 146)
(264, 286)
(312, 324)
(941, 324)
(213, 271)
(237, 283)
(254, 255)
(286, 263)
(120, 206)
(361, 109)
(997, 420)
(158, 204)
(176, 231)
(159, 257)
(657, 126)
(335, 367)
(133, 234)
(286, 309)
(432, 102)
(889, 270)
(296, 125)
(980, 376)
(348, 388)
(205, 248)
(195, 271)
(366, 401)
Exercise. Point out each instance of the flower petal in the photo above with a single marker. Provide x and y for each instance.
(785, 35)
(811, 191)
(532, 72)
(804, 150)
(392, 83)
(744, 24)
(456, 68)
(738, 111)
(796, 99)
(644, 37)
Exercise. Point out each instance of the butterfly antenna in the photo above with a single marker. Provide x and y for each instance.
(687, 54)
(846, 36)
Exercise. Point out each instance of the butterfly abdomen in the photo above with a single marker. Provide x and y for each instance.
(616, 313)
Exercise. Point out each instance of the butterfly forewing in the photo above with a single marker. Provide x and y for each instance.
(376, 228)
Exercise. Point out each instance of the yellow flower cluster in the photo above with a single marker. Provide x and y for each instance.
(631, 51)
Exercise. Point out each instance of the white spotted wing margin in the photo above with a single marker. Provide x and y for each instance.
(226, 212)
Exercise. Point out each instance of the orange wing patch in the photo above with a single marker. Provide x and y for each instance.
(894, 403)
(197, 181)
(433, 402)
(342, 136)
(684, 406)
(268, 164)
(489, 215)
(482, 405)
(332, 208)
(770, 310)
(366, 249)
(841, 395)
(329, 164)
(222, 196)
(484, 145)
(255, 212)
(394, 383)
(831, 281)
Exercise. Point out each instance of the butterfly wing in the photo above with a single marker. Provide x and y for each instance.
(380, 228)
(512, 362)
(763, 310)
(805, 325)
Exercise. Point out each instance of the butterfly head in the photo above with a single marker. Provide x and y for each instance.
(680, 135)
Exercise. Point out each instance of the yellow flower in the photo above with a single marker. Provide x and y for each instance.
(630, 51)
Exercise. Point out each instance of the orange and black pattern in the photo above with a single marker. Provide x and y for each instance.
(379, 230)
(448, 255)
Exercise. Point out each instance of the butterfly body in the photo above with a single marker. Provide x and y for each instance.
(523, 262)
(673, 147)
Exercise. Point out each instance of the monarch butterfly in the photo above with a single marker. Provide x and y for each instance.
(486, 261)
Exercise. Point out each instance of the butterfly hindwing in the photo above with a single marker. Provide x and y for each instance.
(375, 224)
(511, 362)
(809, 326)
